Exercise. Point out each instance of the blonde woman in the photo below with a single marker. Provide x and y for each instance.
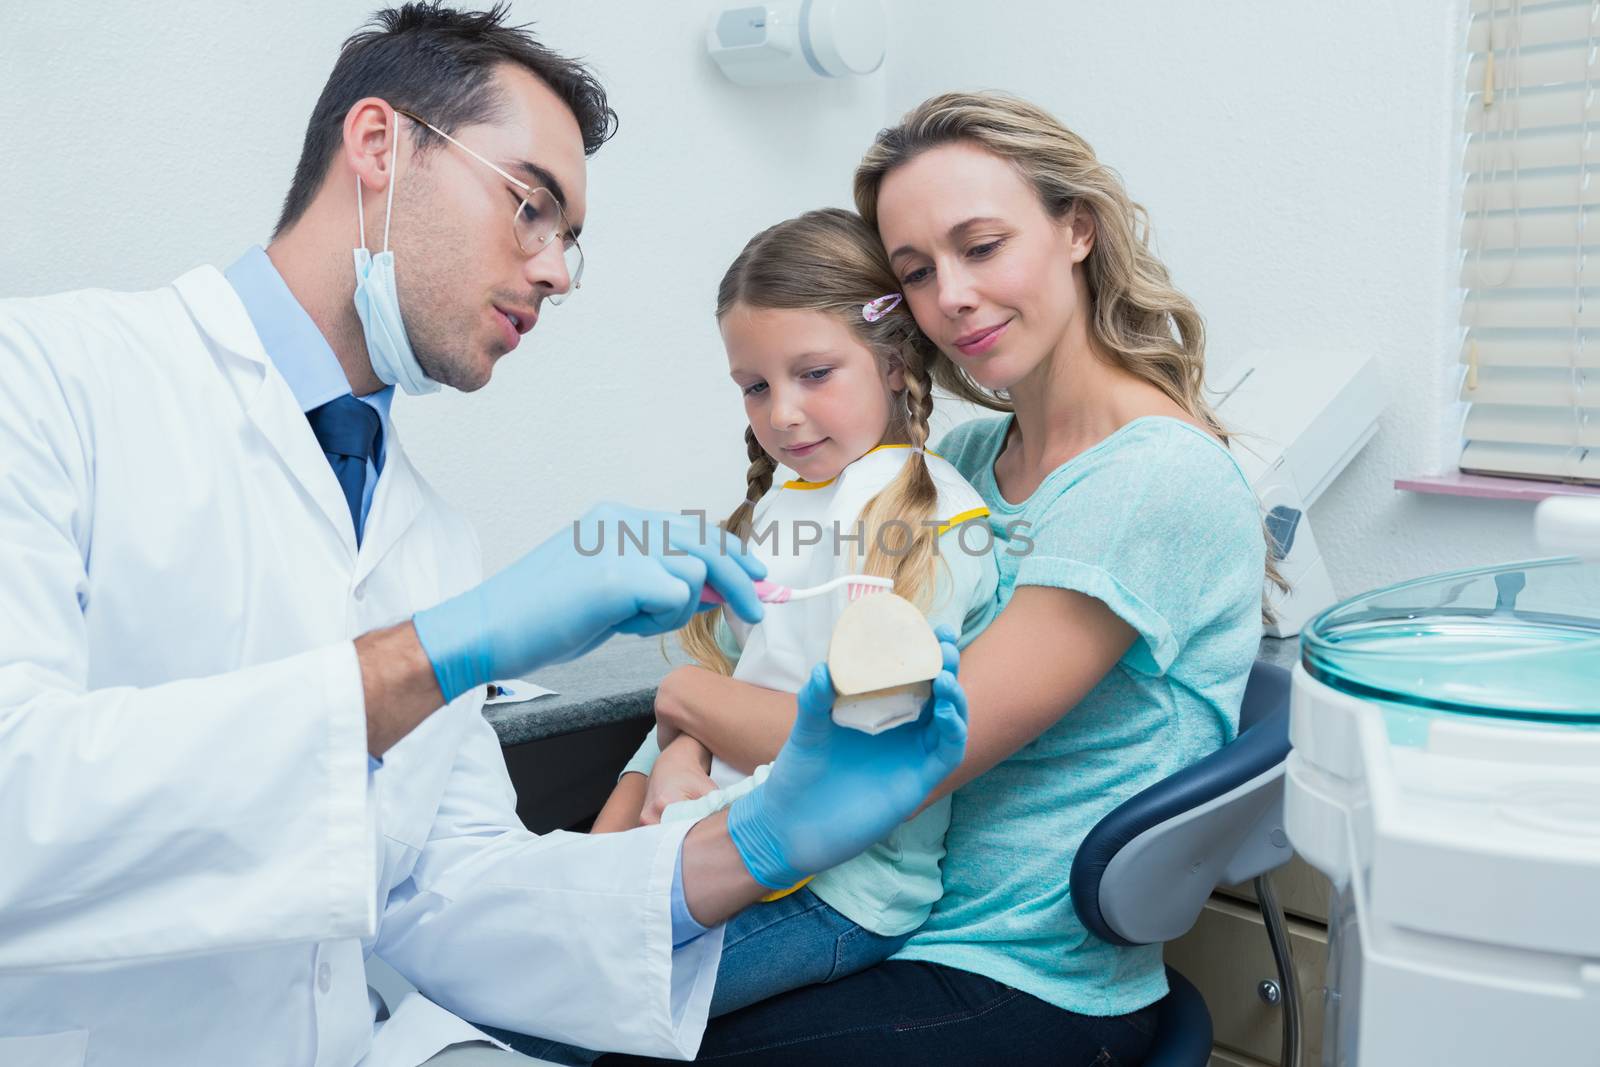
(1124, 633)
(834, 380)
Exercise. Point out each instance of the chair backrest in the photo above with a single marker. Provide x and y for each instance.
(1146, 869)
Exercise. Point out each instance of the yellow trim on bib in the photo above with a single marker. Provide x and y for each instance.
(875, 448)
(975, 513)
(798, 484)
(781, 893)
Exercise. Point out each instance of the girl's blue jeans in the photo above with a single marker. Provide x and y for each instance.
(791, 942)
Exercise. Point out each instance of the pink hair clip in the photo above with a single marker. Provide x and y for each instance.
(873, 310)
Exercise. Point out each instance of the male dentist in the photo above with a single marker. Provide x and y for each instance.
(243, 644)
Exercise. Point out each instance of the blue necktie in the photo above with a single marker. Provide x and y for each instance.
(350, 434)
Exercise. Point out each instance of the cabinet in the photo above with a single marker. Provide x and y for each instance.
(1226, 956)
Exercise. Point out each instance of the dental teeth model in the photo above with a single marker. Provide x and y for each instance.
(883, 657)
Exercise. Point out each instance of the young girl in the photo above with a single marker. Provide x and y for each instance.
(836, 388)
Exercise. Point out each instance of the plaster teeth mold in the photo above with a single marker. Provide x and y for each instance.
(883, 657)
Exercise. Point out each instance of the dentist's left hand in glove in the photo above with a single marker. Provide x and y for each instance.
(832, 792)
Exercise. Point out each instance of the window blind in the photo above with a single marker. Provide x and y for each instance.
(1530, 239)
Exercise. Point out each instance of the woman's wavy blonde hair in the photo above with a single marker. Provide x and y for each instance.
(830, 261)
(1141, 322)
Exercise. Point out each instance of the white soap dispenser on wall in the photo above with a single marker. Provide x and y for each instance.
(798, 40)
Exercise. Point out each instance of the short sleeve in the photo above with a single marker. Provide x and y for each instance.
(972, 444)
(963, 597)
(1158, 524)
(727, 640)
(644, 760)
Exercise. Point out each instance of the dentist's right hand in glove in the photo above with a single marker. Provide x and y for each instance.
(556, 603)
(582, 585)
(834, 791)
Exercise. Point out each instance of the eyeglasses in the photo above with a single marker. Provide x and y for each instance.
(538, 220)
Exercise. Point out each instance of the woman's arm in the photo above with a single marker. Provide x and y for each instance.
(744, 724)
(1042, 655)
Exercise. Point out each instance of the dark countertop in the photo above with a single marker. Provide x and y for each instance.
(617, 681)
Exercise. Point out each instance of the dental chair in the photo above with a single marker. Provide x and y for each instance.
(1145, 871)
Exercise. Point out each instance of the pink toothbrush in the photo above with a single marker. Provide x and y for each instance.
(772, 593)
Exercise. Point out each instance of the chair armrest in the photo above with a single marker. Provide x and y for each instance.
(1145, 870)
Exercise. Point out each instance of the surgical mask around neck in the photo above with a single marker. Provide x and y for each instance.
(378, 303)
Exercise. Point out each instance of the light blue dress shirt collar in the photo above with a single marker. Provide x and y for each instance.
(293, 342)
(300, 352)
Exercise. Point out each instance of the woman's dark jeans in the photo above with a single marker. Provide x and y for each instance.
(918, 1013)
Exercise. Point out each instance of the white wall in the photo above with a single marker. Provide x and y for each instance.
(1298, 160)
(142, 141)
(1300, 164)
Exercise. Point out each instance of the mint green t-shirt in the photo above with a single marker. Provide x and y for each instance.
(1158, 523)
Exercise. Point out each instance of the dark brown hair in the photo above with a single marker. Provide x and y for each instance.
(439, 63)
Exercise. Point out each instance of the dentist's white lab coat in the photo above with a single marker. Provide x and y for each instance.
(193, 858)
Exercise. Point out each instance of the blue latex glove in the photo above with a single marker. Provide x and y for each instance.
(834, 791)
(556, 603)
